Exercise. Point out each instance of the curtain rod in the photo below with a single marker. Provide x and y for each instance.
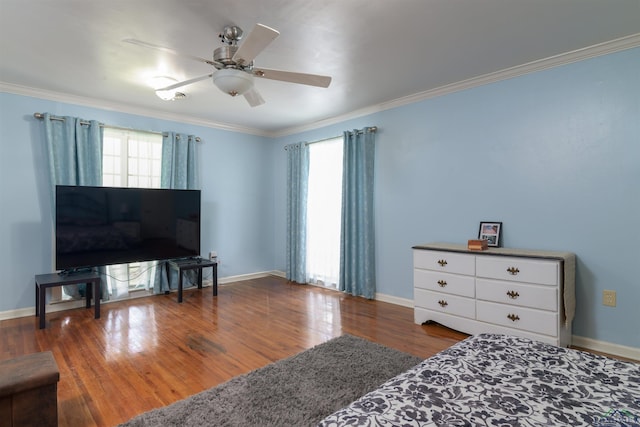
(83, 122)
(372, 129)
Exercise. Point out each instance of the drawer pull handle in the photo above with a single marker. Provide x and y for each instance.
(513, 317)
(513, 295)
(442, 262)
(513, 270)
(442, 283)
(443, 303)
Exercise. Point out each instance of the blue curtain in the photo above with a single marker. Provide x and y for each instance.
(74, 149)
(297, 180)
(179, 164)
(357, 252)
(179, 170)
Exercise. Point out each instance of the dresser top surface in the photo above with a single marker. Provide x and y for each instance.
(528, 253)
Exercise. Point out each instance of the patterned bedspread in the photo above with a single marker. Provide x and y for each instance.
(498, 380)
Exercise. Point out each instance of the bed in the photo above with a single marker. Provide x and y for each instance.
(499, 380)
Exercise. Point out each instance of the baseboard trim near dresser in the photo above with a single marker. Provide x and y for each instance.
(404, 302)
(577, 341)
(606, 347)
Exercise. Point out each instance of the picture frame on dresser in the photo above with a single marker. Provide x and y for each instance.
(490, 231)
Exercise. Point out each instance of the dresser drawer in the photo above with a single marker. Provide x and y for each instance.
(445, 303)
(455, 284)
(541, 297)
(444, 261)
(526, 319)
(518, 269)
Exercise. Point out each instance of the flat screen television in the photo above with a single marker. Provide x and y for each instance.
(97, 226)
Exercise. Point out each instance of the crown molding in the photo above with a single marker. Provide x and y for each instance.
(623, 43)
(114, 106)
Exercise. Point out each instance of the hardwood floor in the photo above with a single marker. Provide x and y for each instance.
(149, 352)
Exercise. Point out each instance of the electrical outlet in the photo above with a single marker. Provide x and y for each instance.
(609, 298)
(213, 255)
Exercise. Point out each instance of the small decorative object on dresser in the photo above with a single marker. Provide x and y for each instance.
(490, 231)
(498, 290)
(478, 245)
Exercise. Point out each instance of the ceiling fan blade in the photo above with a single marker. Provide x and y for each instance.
(253, 97)
(168, 50)
(258, 39)
(291, 77)
(186, 82)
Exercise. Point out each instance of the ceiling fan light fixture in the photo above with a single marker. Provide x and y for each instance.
(170, 95)
(158, 82)
(232, 81)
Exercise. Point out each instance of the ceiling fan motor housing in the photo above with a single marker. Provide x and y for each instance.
(231, 34)
(222, 57)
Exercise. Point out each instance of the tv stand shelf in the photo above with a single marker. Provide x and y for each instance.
(194, 264)
(44, 281)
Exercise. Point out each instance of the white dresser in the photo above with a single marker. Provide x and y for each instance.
(500, 290)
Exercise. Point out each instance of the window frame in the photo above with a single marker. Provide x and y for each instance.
(126, 136)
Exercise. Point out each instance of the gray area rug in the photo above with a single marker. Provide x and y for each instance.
(297, 391)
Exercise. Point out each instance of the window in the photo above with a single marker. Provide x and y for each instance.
(324, 204)
(130, 159)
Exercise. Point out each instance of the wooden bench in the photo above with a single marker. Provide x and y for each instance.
(29, 391)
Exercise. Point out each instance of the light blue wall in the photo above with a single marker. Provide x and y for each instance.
(236, 195)
(554, 155)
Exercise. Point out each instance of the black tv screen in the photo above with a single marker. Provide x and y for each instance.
(98, 226)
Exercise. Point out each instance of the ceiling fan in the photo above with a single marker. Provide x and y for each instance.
(234, 66)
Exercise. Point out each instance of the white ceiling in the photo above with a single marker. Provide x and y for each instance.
(376, 51)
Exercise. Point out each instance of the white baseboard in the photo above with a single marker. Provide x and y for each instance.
(578, 341)
(64, 305)
(278, 273)
(70, 305)
(251, 276)
(20, 312)
(588, 343)
(404, 302)
(606, 347)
